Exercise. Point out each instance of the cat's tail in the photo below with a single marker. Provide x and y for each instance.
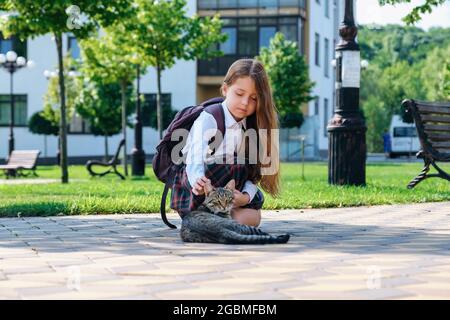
(236, 238)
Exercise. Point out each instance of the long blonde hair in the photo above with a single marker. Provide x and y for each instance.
(266, 116)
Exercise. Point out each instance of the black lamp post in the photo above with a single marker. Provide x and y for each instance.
(138, 154)
(347, 128)
(12, 63)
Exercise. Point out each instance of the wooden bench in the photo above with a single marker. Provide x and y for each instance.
(112, 164)
(19, 161)
(433, 128)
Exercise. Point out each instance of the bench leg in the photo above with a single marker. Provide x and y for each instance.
(441, 173)
(118, 173)
(422, 175)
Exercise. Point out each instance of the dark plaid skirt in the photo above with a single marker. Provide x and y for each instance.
(183, 200)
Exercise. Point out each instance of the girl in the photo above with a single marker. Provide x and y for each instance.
(248, 104)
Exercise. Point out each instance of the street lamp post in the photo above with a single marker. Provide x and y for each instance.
(138, 154)
(11, 63)
(347, 128)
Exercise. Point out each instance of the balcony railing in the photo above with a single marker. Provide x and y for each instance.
(244, 4)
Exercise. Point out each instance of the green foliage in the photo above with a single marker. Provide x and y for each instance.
(32, 18)
(52, 101)
(163, 32)
(417, 12)
(437, 64)
(404, 63)
(289, 79)
(108, 57)
(39, 124)
(99, 102)
(386, 184)
(167, 116)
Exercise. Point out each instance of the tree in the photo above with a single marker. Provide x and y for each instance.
(109, 59)
(52, 98)
(32, 18)
(164, 33)
(100, 103)
(289, 79)
(434, 80)
(39, 124)
(417, 12)
(404, 62)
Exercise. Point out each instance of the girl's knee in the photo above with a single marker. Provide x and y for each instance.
(251, 217)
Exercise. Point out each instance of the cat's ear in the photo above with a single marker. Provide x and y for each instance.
(231, 185)
(208, 188)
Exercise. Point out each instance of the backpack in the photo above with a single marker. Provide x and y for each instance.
(163, 166)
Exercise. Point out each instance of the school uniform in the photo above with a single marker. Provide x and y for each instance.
(201, 162)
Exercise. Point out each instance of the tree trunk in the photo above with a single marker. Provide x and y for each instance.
(106, 149)
(123, 87)
(62, 121)
(158, 101)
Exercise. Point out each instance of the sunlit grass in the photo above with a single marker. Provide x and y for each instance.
(386, 184)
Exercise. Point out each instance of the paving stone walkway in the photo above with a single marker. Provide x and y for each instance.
(380, 252)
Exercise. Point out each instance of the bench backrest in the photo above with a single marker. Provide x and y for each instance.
(433, 126)
(117, 154)
(24, 158)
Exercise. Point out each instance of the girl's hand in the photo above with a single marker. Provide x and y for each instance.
(240, 199)
(199, 186)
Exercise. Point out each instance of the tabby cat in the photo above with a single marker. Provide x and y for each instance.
(212, 222)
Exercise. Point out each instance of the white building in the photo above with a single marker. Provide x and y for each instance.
(249, 24)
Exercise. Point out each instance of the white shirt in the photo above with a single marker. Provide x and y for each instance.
(205, 127)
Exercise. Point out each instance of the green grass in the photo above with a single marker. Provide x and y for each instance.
(386, 184)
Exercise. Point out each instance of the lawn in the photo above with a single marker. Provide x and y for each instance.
(386, 184)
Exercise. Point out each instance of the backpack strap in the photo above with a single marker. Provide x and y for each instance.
(162, 207)
(216, 110)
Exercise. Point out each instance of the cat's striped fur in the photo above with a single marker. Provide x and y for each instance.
(212, 222)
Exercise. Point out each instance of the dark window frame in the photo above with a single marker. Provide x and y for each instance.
(69, 38)
(5, 98)
(300, 4)
(84, 129)
(15, 41)
(164, 95)
(317, 49)
(234, 22)
(326, 58)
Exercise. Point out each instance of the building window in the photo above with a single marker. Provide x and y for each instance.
(244, 4)
(326, 61)
(289, 28)
(289, 3)
(325, 116)
(149, 117)
(79, 125)
(246, 36)
(72, 46)
(327, 8)
(229, 46)
(20, 109)
(265, 35)
(247, 3)
(268, 3)
(316, 106)
(317, 49)
(13, 43)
